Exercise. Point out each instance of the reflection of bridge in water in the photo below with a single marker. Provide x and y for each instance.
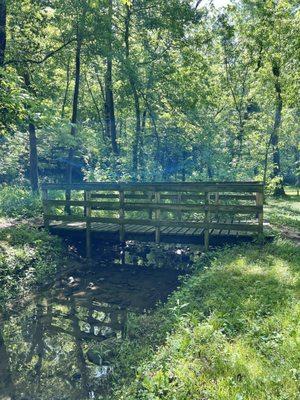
(64, 344)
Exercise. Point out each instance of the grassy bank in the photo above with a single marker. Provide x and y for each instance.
(284, 211)
(230, 332)
(234, 332)
(28, 256)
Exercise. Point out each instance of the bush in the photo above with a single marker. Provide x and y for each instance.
(28, 256)
(16, 202)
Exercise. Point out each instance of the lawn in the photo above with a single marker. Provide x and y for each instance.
(284, 211)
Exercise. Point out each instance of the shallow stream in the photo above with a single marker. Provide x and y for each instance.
(58, 346)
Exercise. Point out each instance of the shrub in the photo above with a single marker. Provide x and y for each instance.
(19, 202)
(28, 256)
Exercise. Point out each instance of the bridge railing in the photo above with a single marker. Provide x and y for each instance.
(210, 206)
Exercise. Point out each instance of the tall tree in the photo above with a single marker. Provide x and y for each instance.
(110, 119)
(133, 83)
(2, 31)
(33, 153)
(74, 118)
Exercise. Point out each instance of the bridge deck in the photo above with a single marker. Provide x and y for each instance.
(110, 233)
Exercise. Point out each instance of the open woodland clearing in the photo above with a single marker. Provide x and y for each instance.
(149, 200)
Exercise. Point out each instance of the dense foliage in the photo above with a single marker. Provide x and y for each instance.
(149, 90)
(17, 202)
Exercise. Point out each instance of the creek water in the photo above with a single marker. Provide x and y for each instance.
(59, 345)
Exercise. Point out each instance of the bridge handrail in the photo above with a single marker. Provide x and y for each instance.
(211, 194)
(160, 186)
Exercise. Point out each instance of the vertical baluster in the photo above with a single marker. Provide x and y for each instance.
(260, 215)
(45, 207)
(150, 197)
(217, 200)
(84, 208)
(206, 220)
(122, 215)
(88, 210)
(179, 212)
(68, 195)
(157, 218)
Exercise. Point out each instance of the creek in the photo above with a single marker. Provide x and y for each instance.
(60, 344)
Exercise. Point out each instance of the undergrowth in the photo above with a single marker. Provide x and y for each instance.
(18, 202)
(28, 256)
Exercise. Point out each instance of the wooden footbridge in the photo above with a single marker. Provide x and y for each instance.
(190, 212)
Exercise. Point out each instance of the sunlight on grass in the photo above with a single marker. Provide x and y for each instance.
(238, 335)
(284, 211)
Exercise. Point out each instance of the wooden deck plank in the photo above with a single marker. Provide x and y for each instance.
(149, 229)
(183, 231)
(167, 229)
(191, 231)
(174, 231)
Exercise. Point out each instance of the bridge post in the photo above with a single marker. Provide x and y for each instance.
(150, 197)
(122, 215)
(45, 207)
(157, 218)
(179, 212)
(206, 220)
(87, 207)
(68, 199)
(217, 201)
(260, 216)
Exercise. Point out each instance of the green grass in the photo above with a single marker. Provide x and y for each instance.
(234, 332)
(284, 211)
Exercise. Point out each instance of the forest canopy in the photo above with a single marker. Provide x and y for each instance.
(149, 90)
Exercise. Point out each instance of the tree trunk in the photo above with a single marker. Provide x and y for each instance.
(137, 109)
(66, 90)
(2, 31)
(74, 117)
(33, 158)
(142, 161)
(110, 119)
(266, 161)
(279, 189)
(74, 107)
(33, 153)
(138, 128)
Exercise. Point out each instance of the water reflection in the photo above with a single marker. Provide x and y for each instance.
(60, 345)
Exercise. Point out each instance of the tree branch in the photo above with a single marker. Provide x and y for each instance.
(45, 58)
